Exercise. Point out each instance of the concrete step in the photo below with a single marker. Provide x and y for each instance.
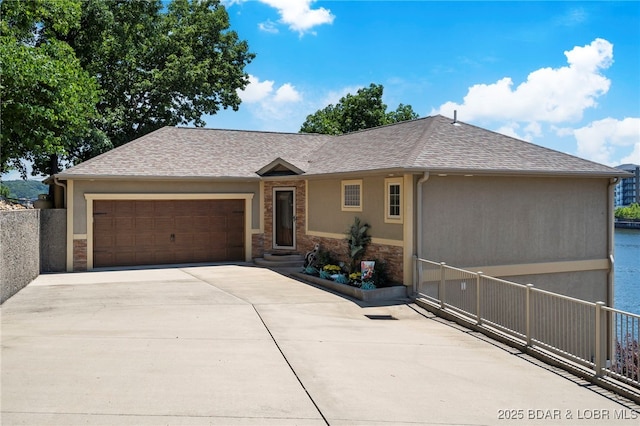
(278, 264)
(277, 257)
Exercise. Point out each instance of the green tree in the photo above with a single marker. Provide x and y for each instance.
(356, 112)
(631, 212)
(155, 64)
(158, 67)
(47, 98)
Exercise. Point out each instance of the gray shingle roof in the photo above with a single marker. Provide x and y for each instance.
(196, 152)
(426, 144)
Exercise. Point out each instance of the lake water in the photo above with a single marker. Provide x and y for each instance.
(627, 270)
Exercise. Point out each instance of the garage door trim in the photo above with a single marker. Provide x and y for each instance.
(247, 197)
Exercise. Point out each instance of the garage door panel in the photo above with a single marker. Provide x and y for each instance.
(183, 223)
(103, 241)
(184, 256)
(164, 257)
(183, 240)
(201, 256)
(143, 241)
(162, 223)
(235, 237)
(103, 207)
(124, 208)
(144, 208)
(145, 232)
(124, 223)
(218, 239)
(144, 224)
(201, 223)
(200, 239)
(124, 241)
(102, 257)
(103, 224)
(235, 221)
(235, 252)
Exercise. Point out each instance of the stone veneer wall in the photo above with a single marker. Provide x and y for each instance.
(263, 243)
(301, 196)
(391, 255)
(79, 255)
(19, 249)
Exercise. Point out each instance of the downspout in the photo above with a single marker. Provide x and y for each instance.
(610, 253)
(610, 243)
(417, 277)
(64, 190)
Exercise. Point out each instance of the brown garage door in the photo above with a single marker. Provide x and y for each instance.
(154, 232)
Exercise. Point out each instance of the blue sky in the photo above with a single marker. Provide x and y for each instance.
(565, 75)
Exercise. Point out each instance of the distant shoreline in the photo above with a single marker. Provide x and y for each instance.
(627, 224)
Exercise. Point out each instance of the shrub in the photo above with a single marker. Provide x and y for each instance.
(342, 279)
(381, 274)
(357, 239)
(326, 275)
(310, 270)
(631, 212)
(325, 258)
(368, 285)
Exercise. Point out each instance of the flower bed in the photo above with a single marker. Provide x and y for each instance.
(372, 295)
(363, 279)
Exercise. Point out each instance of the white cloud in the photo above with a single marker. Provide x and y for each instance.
(287, 93)
(600, 140)
(268, 27)
(256, 90)
(268, 104)
(634, 157)
(299, 15)
(549, 95)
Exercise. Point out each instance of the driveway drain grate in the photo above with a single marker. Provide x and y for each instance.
(381, 317)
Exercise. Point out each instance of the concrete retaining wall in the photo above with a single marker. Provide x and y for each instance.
(19, 250)
(53, 238)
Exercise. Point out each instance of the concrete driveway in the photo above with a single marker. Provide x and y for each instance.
(240, 345)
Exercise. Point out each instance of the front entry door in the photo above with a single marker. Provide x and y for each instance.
(284, 218)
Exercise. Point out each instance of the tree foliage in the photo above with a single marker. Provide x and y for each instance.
(156, 64)
(159, 67)
(27, 189)
(363, 110)
(631, 212)
(48, 100)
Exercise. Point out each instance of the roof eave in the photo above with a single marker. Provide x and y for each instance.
(64, 176)
(522, 173)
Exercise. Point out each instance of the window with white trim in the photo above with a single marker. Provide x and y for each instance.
(352, 195)
(393, 200)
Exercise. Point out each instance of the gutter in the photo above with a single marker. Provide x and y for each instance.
(64, 190)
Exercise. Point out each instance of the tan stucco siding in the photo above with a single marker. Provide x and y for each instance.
(476, 221)
(81, 187)
(325, 214)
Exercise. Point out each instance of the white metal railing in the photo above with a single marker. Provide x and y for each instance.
(603, 339)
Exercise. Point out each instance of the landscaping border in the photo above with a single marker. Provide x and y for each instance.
(375, 295)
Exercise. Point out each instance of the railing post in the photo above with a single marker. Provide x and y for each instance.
(528, 313)
(416, 278)
(478, 304)
(441, 287)
(598, 362)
